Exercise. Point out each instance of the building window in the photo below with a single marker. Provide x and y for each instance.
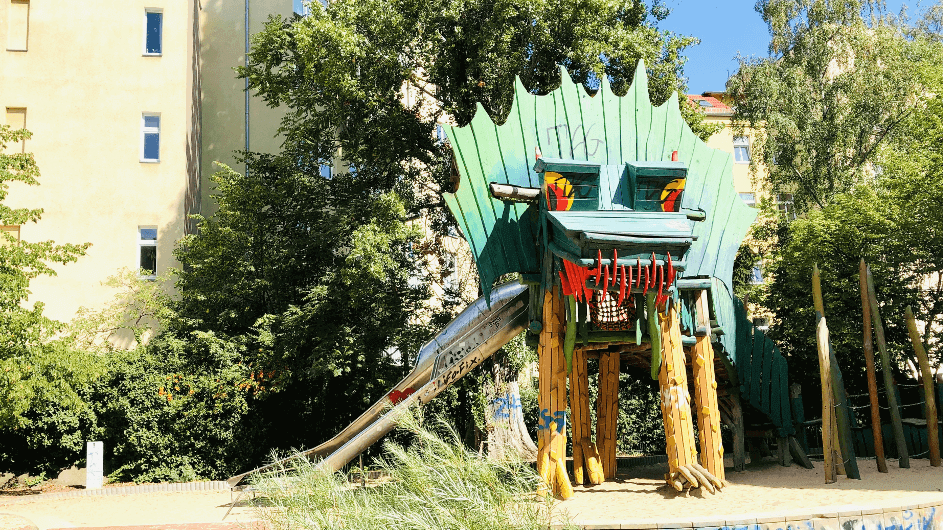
(741, 149)
(150, 137)
(761, 323)
(16, 119)
(440, 136)
(756, 275)
(147, 253)
(153, 31)
(785, 205)
(326, 171)
(18, 25)
(749, 199)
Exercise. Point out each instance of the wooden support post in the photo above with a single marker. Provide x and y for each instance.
(933, 434)
(705, 396)
(607, 411)
(892, 403)
(579, 408)
(675, 400)
(551, 461)
(876, 430)
(825, 366)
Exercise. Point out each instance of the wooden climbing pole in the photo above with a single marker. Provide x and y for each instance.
(586, 466)
(607, 411)
(551, 455)
(683, 467)
(705, 396)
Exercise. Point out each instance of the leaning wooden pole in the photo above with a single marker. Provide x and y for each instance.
(551, 459)
(705, 396)
(896, 423)
(933, 435)
(842, 413)
(876, 430)
(825, 366)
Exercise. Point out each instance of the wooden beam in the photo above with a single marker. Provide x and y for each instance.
(896, 423)
(675, 399)
(552, 398)
(933, 435)
(825, 366)
(868, 347)
(607, 411)
(705, 396)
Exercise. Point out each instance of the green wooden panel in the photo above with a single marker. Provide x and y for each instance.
(672, 141)
(744, 351)
(786, 406)
(775, 382)
(662, 224)
(523, 107)
(655, 146)
(638, 92)
(759, 343)
(767, 376)
(611, 130)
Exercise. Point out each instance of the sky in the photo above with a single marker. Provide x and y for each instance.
(725, 29)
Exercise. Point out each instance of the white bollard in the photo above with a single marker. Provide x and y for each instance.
(94, 465)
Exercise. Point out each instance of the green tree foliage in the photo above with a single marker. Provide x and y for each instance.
(886, 211)
(835, 86)
(313, 283)
(371, 79)
(39, 376)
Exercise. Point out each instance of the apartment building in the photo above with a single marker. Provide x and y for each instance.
(130, 103)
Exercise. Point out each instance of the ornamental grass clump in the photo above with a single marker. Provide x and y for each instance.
(435, 483)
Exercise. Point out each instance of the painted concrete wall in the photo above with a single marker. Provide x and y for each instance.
(85, 82)
(223, 45)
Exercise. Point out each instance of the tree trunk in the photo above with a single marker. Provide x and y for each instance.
(507, 433)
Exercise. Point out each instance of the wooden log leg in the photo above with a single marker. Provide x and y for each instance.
(926, 373)
(552, 395)
(705, 397)
(578, 414)
(607, 411)
(676, 404)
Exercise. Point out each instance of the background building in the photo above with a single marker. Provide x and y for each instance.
(130, 102)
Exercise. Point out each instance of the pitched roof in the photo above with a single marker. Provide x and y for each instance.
(710, 104)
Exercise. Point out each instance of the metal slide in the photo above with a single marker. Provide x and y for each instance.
(469, 339)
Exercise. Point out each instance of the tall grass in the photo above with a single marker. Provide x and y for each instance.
(435, 483)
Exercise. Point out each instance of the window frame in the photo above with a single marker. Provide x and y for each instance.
(10, 23)
(752, 198)
(150, 130)
(144, 243)
(21, 111)
(160, 36)
(741, 142)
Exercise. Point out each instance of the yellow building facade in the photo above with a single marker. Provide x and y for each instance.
(130, 102)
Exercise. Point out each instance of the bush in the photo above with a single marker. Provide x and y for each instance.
(436, 483)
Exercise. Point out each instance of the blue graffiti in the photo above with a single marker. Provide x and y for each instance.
(547, 421)
(505, 405)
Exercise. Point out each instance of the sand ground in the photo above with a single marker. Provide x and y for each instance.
(641, 493)
(137, 509)
(638, 493)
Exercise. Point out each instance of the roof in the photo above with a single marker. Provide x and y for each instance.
(710, 105)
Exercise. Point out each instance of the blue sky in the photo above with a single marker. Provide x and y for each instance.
(725, 28)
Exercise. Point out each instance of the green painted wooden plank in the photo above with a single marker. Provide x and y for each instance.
(480, 169)
(775, 382)
(698, 163)
(655, 145)
(653, 224)
(519, 219)
(767, 376)
(718, 220)
(654, 333)
(609, 109)
(570, 94)
(643, 110)
(544, 126)
(786, 410)
(469, 214)
(523, 107)
(759, 343)
(744, 351)
(672, 129)
(607, 184)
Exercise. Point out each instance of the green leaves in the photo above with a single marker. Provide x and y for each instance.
(835, 87)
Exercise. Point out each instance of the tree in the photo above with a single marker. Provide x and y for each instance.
(40, 376)
(370, 81)
(833, 89)
(311, 283)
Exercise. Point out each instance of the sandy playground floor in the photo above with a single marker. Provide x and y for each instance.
(638, 493)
